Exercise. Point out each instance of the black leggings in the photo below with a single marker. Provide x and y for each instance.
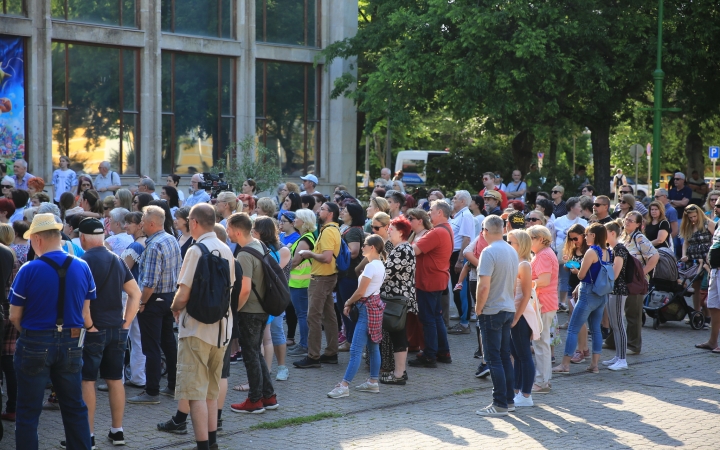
(291, 319)
(8, 369)
(399, 340)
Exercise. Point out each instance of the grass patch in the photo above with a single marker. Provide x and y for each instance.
(464, 391)
(295, 421)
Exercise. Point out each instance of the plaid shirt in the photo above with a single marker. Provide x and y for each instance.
(374, 307)
(160, 263)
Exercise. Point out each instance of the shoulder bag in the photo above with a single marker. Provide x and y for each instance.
(395, 313)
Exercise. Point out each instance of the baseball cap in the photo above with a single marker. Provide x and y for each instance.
(310, 177)
(516, 220)
(91, 226)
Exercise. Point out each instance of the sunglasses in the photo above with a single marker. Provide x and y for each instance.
(411, 218)
(376, 228)
(532, 219)
(597, 205)
(556, 192)
(6, 186)
(623, 202)
(625, 192)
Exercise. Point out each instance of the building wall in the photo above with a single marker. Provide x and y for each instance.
(337, 118)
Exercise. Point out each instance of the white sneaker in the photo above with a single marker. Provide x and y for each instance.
(521, 400)
(621, 364)
(610, 362)
(339, 391)
(282, 374)
(369, 387)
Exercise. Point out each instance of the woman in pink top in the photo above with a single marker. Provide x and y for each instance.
(545, 280)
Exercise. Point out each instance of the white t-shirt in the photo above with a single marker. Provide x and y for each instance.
(63, 181)
(463, 225)
(375, 270)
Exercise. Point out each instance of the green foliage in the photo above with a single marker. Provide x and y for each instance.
(282, 423)
(250, 159)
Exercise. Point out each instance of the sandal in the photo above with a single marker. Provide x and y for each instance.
(560, 369)
(563, 326)
(591, 369)
(704, 346)
(390, 378)
(290, 342)
(716, 351)
(242, 387)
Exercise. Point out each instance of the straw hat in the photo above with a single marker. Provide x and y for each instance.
(42, 222)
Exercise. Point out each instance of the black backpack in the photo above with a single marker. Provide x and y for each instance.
(210, 294)
(277, 292)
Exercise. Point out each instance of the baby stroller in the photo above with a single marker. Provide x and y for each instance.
(665, 300)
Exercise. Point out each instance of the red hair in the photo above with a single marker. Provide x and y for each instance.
(409, 201)
(247, 198)
(518, 205)
(36, 183)
(8, 206)
(403, 226)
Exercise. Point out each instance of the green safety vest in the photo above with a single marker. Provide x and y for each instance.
(300, 275)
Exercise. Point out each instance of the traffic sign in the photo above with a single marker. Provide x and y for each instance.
(636, 150)
(648, 149)
(541, 155)
(714, 152)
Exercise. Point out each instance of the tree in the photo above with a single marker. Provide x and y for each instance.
(249, 159)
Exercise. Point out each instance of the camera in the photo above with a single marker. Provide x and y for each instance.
(214, 183)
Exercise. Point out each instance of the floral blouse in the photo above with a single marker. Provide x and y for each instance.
(620, 286)
(400, 274)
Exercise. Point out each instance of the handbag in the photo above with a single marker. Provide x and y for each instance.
(354, 313)
(395, 313)
(605, 281)
(535, 303)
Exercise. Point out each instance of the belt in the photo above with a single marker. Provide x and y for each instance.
(322, 276)
(72, 332)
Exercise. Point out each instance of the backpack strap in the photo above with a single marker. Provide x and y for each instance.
(261, 257)
(634, 237)
(320, 235)
(62, 272)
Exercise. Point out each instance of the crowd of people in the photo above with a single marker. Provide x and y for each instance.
(100, 271)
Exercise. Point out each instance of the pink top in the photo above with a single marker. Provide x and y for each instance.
(545, 261)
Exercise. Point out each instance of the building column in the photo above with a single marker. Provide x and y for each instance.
(150, 139)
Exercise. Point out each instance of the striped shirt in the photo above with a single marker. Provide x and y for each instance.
(160, 263)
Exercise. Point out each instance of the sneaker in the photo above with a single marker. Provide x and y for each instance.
(577, 357)
(234, 358)
(541, 389)
(171, 427)
(341, 337)
(633, 352)
(608, 346)
(511, 407)
(116, 438)
(307, 362)
(297, 350)
(478, 353)
(344, 347)
(521, 400)
(492, 411)
(369, 387)
(248, 407)
(339, 391)
(482, 371)
(51, 405)
(270, 402)
(282, 374)
(102, 387)
(144, 398)
(473, 317)
(445, 359)
(389, 378)
(423, 362)
(327, 359)
(459, 329)
(167, 391)
(621, 364)
(562, 307)
(610, 362)
(92, 443)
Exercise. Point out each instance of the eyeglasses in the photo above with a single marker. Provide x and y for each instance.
(623, 202)
(659, 196)
(629, 221)
(411, 218)
(597, 205)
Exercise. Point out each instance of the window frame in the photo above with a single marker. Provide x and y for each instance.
(4, 12)
(232, 14)
(121, 92)
(318, 82)
(220, 115)
(120, 15)
(318, 15)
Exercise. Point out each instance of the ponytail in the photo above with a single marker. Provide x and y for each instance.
(377, 242)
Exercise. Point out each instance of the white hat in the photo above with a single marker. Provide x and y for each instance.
(310, 177)
(42, 222)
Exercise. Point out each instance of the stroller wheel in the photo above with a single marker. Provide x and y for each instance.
(656, 323)
(697, 320)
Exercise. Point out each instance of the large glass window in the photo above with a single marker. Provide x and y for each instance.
(199, 17)
(95, 105)
(198, 118)
(291, 22)
(287, 113)
(12, 7)
(120, 13)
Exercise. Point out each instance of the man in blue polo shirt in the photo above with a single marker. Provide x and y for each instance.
(52, 327)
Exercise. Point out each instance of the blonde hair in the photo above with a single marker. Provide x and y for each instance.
(382, 217)
(524, 243)
(267, 206)
(292, 187)
(229, 198)
(540, 231)
(543, 220)
(29, 213)
(309, 221)
(661, 208)
(708, 207)
(381, 204)
(7, 234)
(687, 228)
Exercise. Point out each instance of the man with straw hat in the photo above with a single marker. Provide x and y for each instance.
(50, 307)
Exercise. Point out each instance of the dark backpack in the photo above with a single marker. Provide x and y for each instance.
(210, 294)
(277, 292)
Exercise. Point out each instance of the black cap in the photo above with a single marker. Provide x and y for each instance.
(517, 220)
(91, 226)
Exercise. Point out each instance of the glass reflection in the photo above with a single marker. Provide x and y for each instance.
(286, 21)
(104, 12)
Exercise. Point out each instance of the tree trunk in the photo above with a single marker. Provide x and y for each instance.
(522, 149)
(600, 139)
(695, 154)
(552, 154)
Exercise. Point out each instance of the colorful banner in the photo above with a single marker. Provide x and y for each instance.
(12, 100)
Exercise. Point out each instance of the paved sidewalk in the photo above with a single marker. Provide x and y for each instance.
(670, 397)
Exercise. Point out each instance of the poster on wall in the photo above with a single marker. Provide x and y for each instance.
(12, 100)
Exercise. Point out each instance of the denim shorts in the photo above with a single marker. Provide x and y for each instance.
(104, 351)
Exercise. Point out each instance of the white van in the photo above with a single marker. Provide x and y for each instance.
(410, 160)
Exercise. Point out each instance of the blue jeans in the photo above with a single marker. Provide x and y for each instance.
(277, 332)
(495, 330)
(522, 355)
(362, 338)
(589, 309)
(346, 288)
(104, 351)
(43, 355)
(465, 300)
(430, 314)
(299, 298)
(563, 278)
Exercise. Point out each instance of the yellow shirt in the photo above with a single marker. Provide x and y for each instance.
(329, 239)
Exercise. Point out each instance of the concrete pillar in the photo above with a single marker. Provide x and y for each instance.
(150, 93)
(245, 87)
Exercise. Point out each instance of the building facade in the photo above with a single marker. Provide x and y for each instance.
(166, 86)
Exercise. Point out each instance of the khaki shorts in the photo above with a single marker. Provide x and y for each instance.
(199, 366)
(713, 295)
